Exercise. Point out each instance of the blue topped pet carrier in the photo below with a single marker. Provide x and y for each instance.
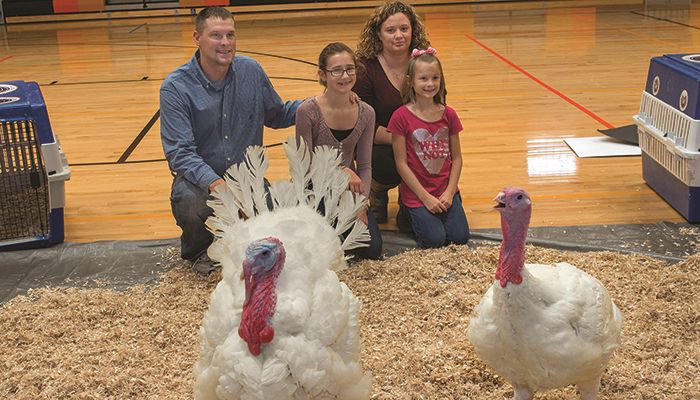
(33, 169)
(669, 131)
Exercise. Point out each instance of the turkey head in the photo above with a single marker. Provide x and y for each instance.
(515, 207)
(264, 260)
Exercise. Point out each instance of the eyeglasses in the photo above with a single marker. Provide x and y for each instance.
(338, 72)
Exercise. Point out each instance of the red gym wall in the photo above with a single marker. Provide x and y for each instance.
(69, 6)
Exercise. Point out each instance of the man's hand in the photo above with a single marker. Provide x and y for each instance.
(215, 184)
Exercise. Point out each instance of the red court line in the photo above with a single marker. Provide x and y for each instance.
(6, 58)
(551, 89)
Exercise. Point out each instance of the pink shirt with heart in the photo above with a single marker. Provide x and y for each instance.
(427, 150)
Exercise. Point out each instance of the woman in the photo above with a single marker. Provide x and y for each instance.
(386, 41)
(335, 118)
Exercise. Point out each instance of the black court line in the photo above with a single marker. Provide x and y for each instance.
(57, 83)
(276, 56)
(664, 19)
(138, 27)
(139, 137)
(115, 162)
(142, 161)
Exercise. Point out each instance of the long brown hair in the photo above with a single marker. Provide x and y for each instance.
(332, 49)
(408, 95)
(370, 45)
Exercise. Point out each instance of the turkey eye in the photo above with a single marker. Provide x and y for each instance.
(520, 197)
(265, 253)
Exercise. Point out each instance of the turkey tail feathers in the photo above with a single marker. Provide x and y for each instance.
(318, 182)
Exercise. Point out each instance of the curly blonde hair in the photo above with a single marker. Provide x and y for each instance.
(370, 44)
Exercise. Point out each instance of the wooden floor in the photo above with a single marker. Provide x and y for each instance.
(522, 77)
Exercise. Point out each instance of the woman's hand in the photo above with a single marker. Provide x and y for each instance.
(355, 185)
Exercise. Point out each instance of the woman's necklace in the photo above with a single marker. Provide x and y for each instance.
(396, 76)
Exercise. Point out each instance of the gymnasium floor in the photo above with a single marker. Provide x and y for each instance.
(523, 76)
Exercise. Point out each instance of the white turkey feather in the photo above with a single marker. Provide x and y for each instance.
(283, 195)
(348, 208)
(299, 168)
(327, 187)
(238, 182)
(257, 166)
(356, 238)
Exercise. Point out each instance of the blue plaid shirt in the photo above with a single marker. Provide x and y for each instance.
(206, 126)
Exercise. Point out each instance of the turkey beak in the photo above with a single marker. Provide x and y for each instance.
(500, 200)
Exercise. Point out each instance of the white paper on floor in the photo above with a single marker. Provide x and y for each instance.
(601, 147)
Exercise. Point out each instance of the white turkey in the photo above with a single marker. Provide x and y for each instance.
(280, 324)
(542, 326)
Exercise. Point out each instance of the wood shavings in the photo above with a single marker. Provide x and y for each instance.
(143, 342)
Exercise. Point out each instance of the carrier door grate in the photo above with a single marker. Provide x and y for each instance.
(24, 194)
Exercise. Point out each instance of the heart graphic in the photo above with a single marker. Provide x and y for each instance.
(432, 149)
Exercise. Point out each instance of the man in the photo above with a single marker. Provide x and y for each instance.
(211, 110)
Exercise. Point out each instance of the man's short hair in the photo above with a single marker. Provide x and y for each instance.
(210, 12)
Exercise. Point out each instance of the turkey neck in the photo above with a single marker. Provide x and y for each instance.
(511, 258)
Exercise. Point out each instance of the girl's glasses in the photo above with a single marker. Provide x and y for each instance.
(338, 72)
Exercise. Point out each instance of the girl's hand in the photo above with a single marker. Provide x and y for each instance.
(446, 199)
(355, 185)
(434, 205)
(362, 216)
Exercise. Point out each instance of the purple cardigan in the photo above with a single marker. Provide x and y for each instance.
(356, 149)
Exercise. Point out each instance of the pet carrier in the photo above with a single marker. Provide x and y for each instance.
(33, 169)
(668, 124)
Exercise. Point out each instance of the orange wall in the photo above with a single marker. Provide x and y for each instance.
(195, 3)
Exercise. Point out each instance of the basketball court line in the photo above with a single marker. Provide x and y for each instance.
(91, 164)
(97, 163)
(139, 137)
(664, 19)
(146, 78)
(137, 28)
(6, 58)
(541, 83)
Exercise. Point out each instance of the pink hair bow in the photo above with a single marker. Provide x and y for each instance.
(417, 53)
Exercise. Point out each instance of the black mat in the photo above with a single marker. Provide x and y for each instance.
(114, 264)
(121, 264)
(627, 134)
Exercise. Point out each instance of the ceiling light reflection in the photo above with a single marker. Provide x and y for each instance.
(550, 158)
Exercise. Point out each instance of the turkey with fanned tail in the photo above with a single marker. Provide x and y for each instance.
(280, 324)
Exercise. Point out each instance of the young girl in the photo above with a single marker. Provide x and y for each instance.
(333, 119)
(428, 156)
